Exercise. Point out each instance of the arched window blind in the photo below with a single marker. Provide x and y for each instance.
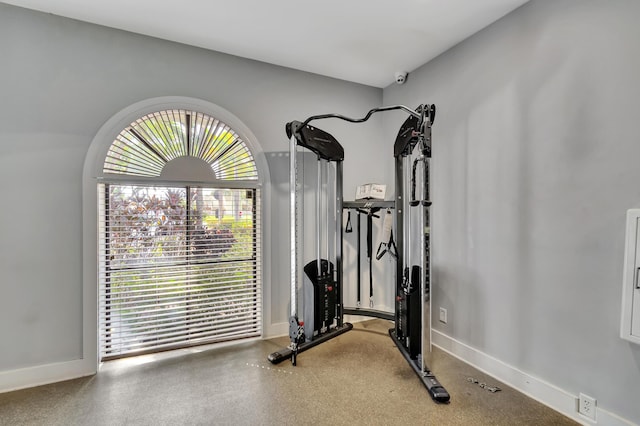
(146, 146)
(179, 265)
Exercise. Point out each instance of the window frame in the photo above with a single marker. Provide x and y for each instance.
(87, 362)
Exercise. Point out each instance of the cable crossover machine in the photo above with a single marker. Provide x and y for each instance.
(323, 310)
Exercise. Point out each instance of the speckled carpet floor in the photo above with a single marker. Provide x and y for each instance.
(358, 378)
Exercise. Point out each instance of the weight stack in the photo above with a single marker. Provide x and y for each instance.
(409, 314)
(414, 313)
(320, 295)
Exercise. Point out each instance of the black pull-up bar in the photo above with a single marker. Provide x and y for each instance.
(366, 117)
(412, 127)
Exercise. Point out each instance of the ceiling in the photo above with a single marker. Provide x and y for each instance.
(364, 41)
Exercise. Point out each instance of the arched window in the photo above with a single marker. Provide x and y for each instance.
(179, 236)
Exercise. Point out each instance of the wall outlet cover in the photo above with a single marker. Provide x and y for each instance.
(443, 315)
(587, 406)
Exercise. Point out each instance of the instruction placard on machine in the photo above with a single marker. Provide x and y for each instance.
(371, 191)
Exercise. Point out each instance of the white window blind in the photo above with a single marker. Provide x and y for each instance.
(152, 141)
(178, 266)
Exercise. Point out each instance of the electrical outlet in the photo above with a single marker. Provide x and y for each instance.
(443, 315)
(587, 406)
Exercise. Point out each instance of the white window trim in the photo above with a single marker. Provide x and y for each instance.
(92, 171)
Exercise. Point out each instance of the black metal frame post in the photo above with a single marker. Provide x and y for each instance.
(339, 243)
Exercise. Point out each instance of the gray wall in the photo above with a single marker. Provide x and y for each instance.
(536, 152)
(534, 167)
(60, 80)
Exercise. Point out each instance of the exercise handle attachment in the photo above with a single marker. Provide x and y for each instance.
(387, 244)
(424, 200)
(296, 334)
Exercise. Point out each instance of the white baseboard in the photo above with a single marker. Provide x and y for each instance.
(276, 330)
(44, 374)
(538, 389)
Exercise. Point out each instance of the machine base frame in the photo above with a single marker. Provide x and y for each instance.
(437, 392)
(286, 353)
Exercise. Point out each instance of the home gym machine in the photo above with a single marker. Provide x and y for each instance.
(323, 279)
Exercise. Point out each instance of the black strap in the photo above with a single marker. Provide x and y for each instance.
(369, 235)
(348, 227)
(370, 215)
(369, 253)
(359, 255)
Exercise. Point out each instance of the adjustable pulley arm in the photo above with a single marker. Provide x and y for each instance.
(415, 130)
(321, 316)
(296, 330)
(412, 333)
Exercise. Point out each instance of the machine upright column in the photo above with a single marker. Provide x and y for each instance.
(339, 242)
